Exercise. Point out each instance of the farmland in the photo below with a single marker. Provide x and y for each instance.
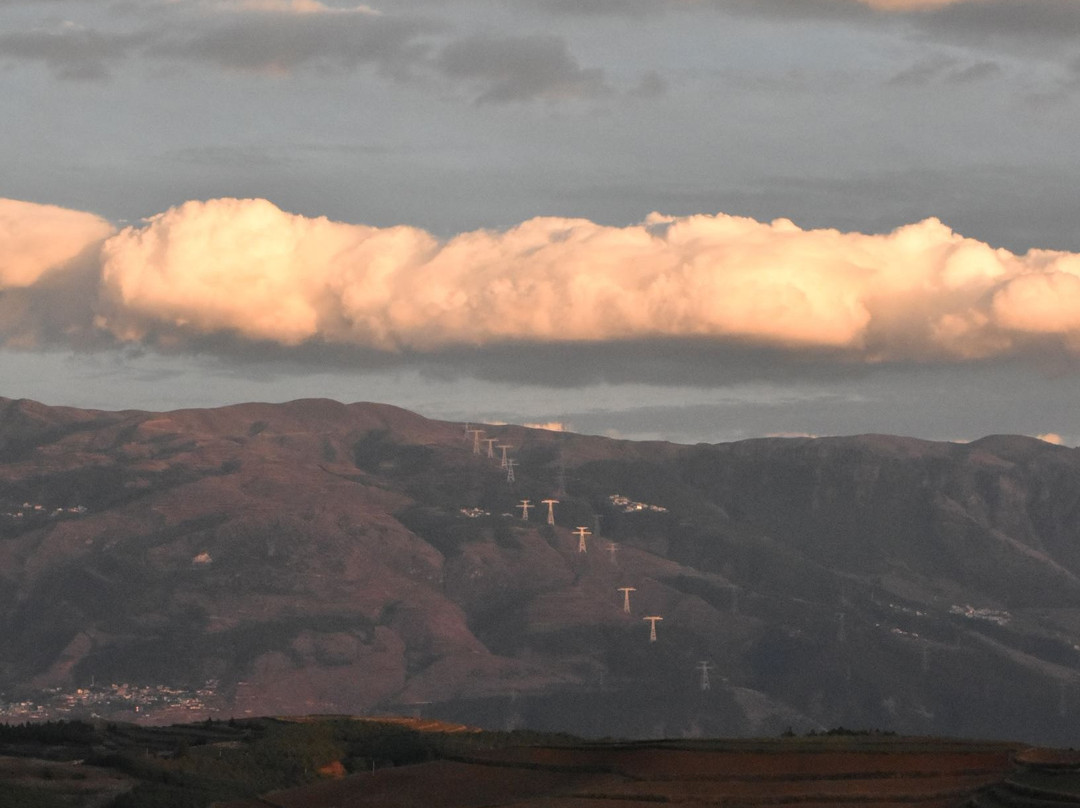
(394, 762)
(861, 771)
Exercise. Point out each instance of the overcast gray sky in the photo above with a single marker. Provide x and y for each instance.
(685, 219)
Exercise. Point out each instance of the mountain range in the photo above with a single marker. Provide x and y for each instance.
(317, 557)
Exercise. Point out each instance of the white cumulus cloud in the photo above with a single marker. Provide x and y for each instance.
(247, 269)
(35, 239)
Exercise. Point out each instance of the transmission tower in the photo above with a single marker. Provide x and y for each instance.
(582, 532)
(704, 667)
(626, 590)
(504, 447)
(525, 505)
(490, 442)
(612, 548)
(551, 503)
(476, 433)
(510, 470)
(652, 620)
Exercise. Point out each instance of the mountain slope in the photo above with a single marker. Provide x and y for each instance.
(320, 557)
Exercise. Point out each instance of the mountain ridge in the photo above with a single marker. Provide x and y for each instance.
(315, 556)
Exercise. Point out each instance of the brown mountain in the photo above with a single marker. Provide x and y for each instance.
(319, 557)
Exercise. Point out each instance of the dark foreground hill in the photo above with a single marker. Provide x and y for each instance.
(343, 762)
(317, 557)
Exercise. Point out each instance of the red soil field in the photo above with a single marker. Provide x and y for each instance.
(926, 773)
(682, 764)
(439, 784)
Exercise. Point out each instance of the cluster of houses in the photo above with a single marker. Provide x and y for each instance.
(29, 509)
(102, 701)
(630, 506)
(971, 613)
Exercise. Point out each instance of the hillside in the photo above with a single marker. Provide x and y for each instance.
(319, 557)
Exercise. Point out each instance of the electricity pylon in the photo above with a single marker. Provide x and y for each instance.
(504, 447)
(704, 668)
(626, 590)
(551, 503)
(653, 620)
(582, 532)
(525, 505)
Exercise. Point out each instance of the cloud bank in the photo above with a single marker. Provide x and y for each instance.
(35, 239)
(411, 43)
(915, 5)
(279, 38)
(245, 269)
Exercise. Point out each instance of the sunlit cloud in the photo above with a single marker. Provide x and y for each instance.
(35, 239)
(299, 7)
(245, 269)
(550, 426)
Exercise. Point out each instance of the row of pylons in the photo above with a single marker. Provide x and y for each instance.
(582, 532)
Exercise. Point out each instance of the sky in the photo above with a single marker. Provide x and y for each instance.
(688, 220)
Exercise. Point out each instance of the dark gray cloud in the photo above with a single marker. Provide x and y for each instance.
(688, 363)
(792, 9)
(521, 69)
(284, 43)
(971, 21)
(1037, 21)
(586, 8)
(944, 69)
(278, 40)
(261, 41)
(73, 52)
(989, 23)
